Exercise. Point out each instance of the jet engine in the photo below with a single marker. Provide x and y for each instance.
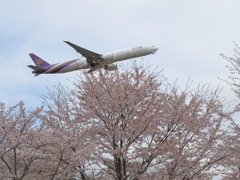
(111, 67)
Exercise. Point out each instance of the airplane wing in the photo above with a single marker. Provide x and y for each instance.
(84, 52)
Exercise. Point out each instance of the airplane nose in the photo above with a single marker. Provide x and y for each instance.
(154, 49)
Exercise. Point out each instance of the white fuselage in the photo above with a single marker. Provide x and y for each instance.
(111, 57)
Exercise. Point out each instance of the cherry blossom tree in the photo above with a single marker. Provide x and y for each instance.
(130, 124)
(19, 155)
(232, 163)
(43, 144)
(67, 150)
(142, 127)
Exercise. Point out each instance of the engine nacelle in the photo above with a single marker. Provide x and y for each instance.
(111, 67)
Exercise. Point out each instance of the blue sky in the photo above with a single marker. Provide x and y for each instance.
(190, 35)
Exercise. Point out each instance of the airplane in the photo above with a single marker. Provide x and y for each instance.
(90, 60)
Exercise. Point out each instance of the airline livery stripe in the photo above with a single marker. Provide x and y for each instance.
(59, 66)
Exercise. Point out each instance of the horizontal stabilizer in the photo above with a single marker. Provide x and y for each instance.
(36, 68)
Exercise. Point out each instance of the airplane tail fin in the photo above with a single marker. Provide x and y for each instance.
(38, 61)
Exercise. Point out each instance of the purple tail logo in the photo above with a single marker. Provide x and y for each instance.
(38, 61)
